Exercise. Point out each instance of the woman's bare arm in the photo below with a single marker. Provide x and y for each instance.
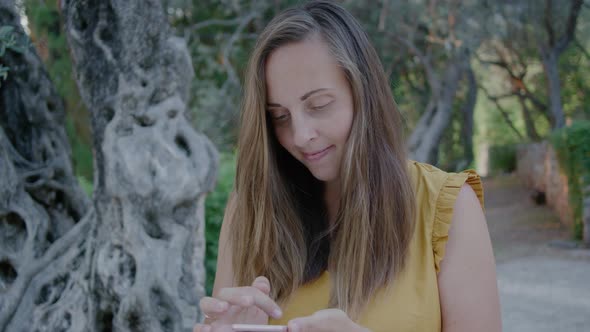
(467, 279)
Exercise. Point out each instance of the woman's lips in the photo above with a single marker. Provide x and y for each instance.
(317, 155)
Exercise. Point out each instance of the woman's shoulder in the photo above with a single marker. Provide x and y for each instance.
(430, 182)
(436, 193)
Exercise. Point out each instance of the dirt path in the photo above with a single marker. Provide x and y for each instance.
(542, 287)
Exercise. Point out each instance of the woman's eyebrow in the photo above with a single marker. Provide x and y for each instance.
(302, 98)
(305, 96)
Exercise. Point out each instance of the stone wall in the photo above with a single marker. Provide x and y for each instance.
(538, 168)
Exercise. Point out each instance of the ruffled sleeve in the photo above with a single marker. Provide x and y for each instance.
(444, 209)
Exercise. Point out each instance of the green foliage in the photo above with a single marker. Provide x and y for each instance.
(214, 210)
(86, 185)
(502, 158)
(572, 145)
(218, 60)
(574, 66)
(48, 34)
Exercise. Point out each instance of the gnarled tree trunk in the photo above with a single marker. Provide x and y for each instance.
(41, 204)
(133, 261)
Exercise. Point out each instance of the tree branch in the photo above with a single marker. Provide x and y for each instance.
(538, 104)
(503, 63)
(424, 59)
(502, 97)
(383, 15)
(524, 91)
(570, 31)
(503, 111)
(226, 50)
(547, 21)
(219, 22)
(529, 123)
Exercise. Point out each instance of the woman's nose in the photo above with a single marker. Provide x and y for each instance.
(303, 131)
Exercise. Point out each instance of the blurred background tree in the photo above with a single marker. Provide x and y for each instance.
(435, 53)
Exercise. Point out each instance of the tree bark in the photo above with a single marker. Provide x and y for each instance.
(467, 112)
(550, 53)
(41, 204)
(531, 129)
(152, 168)
(133, 261)
(425, 138)
(550, 66)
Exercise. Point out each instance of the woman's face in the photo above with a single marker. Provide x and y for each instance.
(310, 105)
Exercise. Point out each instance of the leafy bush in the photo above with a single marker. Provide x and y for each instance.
(214, 210)
(502, 158)
(572, 145)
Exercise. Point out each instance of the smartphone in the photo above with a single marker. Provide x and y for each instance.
(258, 328)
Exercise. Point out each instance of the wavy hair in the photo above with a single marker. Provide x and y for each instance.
(279, 226)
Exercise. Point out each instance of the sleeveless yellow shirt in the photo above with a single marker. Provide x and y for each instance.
(412, 303)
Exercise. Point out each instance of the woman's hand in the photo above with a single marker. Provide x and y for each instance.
(238, 305)
(329, 320)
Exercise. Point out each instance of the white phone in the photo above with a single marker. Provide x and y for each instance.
(258, 328)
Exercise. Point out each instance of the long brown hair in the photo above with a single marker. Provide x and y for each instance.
(279, 227)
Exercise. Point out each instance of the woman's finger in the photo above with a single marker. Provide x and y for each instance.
(202, 328)
(211, 306)
(248, 296)
(263, 284)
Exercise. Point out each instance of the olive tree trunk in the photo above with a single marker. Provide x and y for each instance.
(132, 259)
(42, 207)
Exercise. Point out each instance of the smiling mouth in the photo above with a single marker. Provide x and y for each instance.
(317, 155)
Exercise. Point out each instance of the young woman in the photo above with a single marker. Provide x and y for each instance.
(331, 227)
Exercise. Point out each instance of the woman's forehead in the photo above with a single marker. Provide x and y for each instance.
(295, 69)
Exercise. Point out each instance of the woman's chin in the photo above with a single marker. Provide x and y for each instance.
(324, 176)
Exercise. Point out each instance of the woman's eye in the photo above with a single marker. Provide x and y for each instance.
(278, 117)
(321, 106)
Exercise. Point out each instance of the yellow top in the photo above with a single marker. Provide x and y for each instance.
(412, 303)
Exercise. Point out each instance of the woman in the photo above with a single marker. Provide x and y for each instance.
(330, 227)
